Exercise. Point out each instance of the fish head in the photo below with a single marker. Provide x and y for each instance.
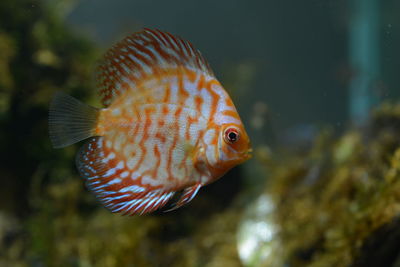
(233, 146)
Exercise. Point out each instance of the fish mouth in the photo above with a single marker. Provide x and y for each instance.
(248, 154)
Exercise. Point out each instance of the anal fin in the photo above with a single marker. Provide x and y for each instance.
(187, 196)
(133, 204)
(116, 191)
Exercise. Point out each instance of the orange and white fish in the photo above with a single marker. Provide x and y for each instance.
(167, 125)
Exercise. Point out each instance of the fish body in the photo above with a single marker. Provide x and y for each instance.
(167, 125)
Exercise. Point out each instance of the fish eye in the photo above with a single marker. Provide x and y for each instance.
(231, 135)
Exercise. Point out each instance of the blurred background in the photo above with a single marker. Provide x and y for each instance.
(316, 83)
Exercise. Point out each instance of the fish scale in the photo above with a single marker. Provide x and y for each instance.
(163, 128)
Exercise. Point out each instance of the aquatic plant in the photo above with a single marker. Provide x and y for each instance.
(338, 204)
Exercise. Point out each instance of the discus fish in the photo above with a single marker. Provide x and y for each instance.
(167, 125)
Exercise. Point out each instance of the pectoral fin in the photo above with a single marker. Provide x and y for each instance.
(187, 195)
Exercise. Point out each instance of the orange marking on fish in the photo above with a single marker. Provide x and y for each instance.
(135, 129)
(166, 96)
(165, 110)
(142, 145)
(214, 141)
(229, 102)
(161, 123)
(190, 122)
(161, 137)
(198, 100)
(201, 83)
(157, 154)
(181, 90)
(191, 75)
(214, 99)
(178, 112)
(230, 113)
(169, 157)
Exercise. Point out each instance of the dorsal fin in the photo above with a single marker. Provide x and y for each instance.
(141, 55)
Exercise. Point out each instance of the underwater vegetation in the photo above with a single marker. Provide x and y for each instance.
(338, 204)
(39, 56)
(334, 204)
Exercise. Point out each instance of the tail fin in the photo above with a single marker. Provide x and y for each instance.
(70, 120)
